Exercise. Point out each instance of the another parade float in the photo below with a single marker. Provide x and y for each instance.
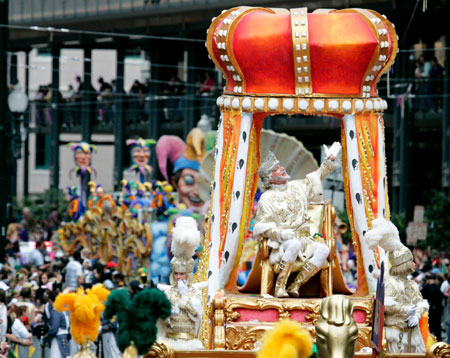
(325, 63)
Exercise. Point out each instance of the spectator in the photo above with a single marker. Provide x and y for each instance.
(436, 75)
(104, 86)
(207, 85)
(20, 329)
(73, 271)
(70, 92)
(422, 74)
(54, 219)
(3, 316)
(431, 292)
(58, 333)
(36, 257)
(28, 223)
(108, 331)
(25, 300)
(105, 94)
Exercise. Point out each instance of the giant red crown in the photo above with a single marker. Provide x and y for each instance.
(335, 55)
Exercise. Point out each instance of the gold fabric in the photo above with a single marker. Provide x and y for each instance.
(186, 322)
(182, 264)
(308, 271)
(286, 207)
(181, 335)
(406, 293)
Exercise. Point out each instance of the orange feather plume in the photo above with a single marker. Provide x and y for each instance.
(85, 310)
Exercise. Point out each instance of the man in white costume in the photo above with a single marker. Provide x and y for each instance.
(404, 304)
(182, 328)
(282, 217)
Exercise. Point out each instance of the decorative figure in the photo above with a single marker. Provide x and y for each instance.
(282, 216)
(404, 305)
(98, 197)
(328, 64)
(111, 235)
(185, 160)
(288, 339)
(76, 207)
(181, 330)
(82, 152)
(85, 313)
(137, 318)
(336, 330)
(140, 152)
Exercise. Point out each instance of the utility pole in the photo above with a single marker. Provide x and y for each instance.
(54, 129)
(119, 119)
(445, 118)
(5, 159)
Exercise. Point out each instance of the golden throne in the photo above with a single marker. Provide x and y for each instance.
(327, 282)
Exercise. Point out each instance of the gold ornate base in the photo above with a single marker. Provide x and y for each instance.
(240, 321)
(439, 353)
(236, 329)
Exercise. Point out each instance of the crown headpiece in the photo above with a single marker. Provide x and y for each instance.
(327, 62)
(400, 256)
(267, 166)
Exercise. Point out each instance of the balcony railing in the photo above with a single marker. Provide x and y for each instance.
(137, 109)
(26, 11)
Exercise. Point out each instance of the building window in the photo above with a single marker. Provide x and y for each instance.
(42, 151)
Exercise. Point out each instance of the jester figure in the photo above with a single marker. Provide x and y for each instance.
(82, 152)
(140, 151)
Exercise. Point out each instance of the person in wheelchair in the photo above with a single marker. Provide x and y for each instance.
(282, 218)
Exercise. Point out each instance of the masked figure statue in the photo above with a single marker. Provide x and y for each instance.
(404, 305)
(282, 217)
(181, 330)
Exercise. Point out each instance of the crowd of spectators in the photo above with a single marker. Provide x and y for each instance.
(103, 97)
(433, 277)
(429, 76)
(34, 272)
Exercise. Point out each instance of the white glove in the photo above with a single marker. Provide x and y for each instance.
(413, 320)
(334, 150)
(411, 310)
(182, 286)
(273, 244)
(183, 302)
(288, 234)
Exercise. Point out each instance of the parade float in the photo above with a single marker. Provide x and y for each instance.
(324, 63)
(278, 61)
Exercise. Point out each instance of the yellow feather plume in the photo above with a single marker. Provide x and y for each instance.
(287, 340)
(85, 311)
